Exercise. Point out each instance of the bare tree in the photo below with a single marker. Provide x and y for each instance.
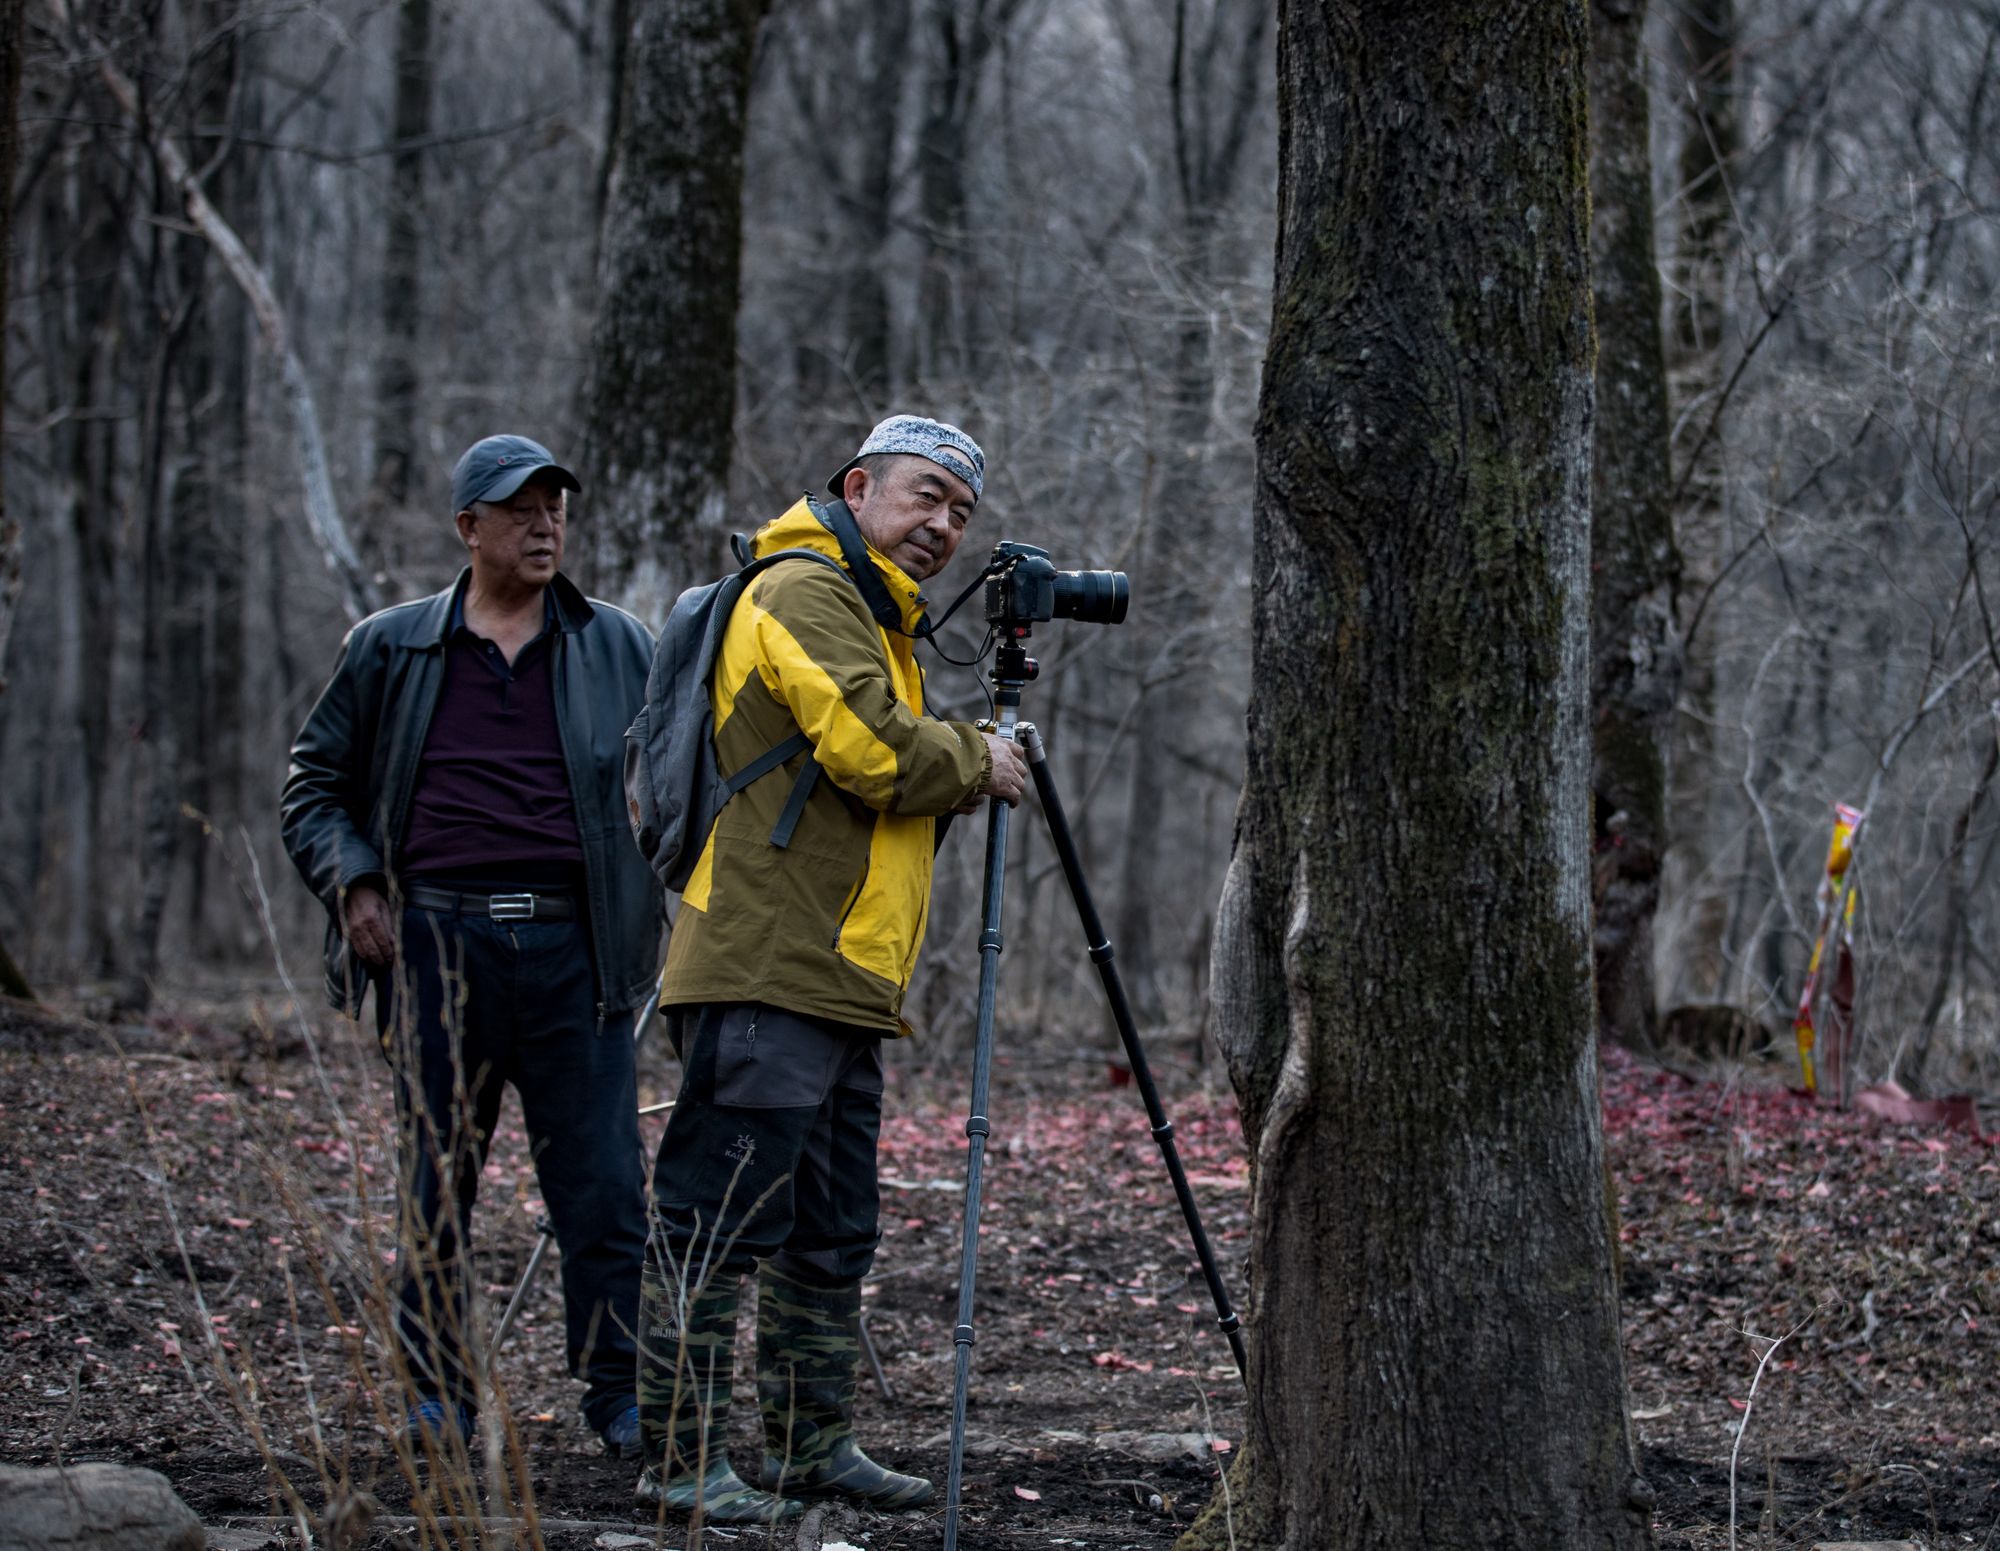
(662, 393)
(1704, 251)
(844, 66)
(1635, 655)
(403, 225)
(12, 33)
(1402, 956)
(1218, 72)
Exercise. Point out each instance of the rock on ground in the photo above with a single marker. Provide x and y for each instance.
(95, 1507)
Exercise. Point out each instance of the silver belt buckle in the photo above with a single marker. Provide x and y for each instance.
(510, 907)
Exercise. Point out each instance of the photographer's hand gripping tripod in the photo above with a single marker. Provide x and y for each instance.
(1012, 670)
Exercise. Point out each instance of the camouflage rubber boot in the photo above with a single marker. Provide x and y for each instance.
(808, 1351)
(687, 1369)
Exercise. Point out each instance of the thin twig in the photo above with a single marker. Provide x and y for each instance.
(1749, 1404)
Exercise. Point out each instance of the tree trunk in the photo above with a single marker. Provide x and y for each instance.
(1705, 816)
(213, 553)
(12, 14)
(618, 53)
(1710, 140)
(867, 300)
(963, 34)
(157, 733)
(89, 454)
(661, 401)
(1403, 948)
(1957, 911)
(396, 419)
(1635, 657)
(12, 981)
(950, 91)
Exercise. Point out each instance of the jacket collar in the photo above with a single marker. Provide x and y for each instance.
(433, 624)
(798, 528)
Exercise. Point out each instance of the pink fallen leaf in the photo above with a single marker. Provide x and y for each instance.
(1220, 1445)
(1029, 1493)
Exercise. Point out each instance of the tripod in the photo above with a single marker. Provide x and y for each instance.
(1012, 670)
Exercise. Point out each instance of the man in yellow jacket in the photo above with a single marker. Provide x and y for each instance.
(787, 967)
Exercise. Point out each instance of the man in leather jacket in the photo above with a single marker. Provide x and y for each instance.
(456, 801)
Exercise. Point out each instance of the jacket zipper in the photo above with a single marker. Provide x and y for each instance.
(854, 898)
(917, 938)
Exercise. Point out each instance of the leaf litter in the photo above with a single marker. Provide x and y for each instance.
(1103, 1401)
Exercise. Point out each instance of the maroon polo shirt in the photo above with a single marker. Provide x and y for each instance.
(492, 796)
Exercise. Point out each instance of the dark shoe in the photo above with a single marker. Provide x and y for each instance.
(439, 1423)
(808, 1353)
(621, 1434)
(687, 1376)
(723, 1496)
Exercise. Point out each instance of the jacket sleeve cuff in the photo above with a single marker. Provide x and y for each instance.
(359, 863)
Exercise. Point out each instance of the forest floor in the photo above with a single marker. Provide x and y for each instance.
(191, 1211)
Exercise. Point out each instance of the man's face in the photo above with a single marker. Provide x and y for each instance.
(915, 513)
(518, 542)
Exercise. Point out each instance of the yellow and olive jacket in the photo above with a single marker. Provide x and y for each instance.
(830, 925)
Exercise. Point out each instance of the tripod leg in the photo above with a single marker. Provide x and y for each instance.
(545, 1234)
(975, 1131)
(1121, 1014)
(874, 1361)
(645, 1018)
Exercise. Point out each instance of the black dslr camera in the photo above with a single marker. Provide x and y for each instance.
(1023, 587)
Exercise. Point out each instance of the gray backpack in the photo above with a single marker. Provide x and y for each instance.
(673, 789)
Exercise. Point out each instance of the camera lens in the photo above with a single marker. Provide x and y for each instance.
(1095, 597)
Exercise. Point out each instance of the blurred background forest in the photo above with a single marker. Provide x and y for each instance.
(1053, 224)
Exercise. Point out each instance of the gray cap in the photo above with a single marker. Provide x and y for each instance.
(496, 466)
(945, 445)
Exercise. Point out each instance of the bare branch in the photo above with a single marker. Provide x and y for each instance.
(322, 509)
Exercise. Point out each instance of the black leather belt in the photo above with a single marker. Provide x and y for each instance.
(495, 907)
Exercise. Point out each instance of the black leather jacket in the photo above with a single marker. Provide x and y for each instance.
(346, 803)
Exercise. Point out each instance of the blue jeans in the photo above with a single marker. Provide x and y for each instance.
(474, 1005)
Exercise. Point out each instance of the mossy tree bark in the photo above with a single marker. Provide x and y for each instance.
(661, 400)
(1403, 987)
(1635, 566)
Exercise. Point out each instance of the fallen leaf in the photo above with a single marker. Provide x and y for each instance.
(1029, 1493)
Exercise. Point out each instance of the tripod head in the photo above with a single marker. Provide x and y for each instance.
(1013, 669)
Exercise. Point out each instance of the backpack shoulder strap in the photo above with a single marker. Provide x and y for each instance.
(837, 519)
(798, 742)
